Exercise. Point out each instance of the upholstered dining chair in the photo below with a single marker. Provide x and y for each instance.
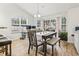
(33, 42)
(52, 42)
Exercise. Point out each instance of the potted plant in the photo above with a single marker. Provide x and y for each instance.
(63, 36)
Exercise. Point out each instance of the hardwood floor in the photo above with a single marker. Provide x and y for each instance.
(20, 48)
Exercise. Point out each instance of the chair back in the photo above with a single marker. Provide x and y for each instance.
(32, 37)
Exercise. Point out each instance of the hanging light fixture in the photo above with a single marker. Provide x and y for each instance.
(37, 12)
(35, 15)
(39, 15)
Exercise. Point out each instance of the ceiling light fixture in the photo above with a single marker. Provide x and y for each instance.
(37, 12)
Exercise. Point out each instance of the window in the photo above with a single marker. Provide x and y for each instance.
(64, 20)
(23, 21)
(15, 22)
(53, 22)
(63, 24)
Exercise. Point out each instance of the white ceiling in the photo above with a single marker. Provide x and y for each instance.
(47, 8)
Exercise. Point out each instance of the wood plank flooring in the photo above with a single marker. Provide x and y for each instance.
(20, 48)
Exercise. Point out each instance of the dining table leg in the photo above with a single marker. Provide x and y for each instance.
(6, 50)
(45, 48)
(52, 50)
(10, 49)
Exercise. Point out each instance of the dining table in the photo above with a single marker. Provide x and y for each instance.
(6, 43)
(44, 36)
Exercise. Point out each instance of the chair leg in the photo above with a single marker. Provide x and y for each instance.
(36, 51)
(29, 50)
(52, 50)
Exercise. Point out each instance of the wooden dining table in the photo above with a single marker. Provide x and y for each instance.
(45, 35)
(7, 46)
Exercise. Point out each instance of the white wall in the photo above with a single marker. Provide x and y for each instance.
(8, 11)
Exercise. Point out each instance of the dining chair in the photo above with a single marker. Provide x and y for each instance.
(33, 42)
(53, 42)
